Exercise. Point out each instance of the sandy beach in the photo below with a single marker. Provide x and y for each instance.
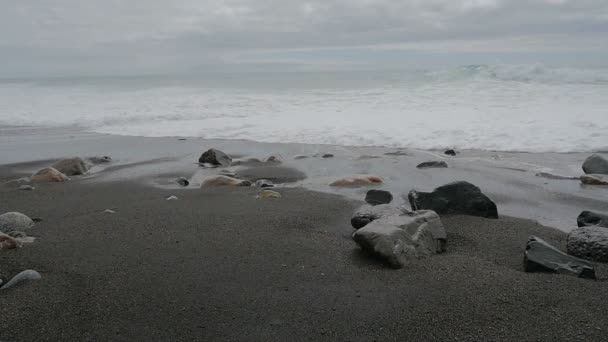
(221, 265)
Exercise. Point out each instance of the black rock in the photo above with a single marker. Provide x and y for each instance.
(595, 164)
(327, 155)
(215, 157)
(589, 218)
(430, 164)
(183, 181)
(450, 152)
(375, 197)
(542, 257)
(461, 198)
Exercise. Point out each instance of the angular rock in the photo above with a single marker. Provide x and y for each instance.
(48, 175)
(450, 152)
(15, 221)
(596, 164)
(590, 218)
(540, 256)
(369, 213)
(215, 157)
(268, 194)
(432, 164)
(183, 181)
(224, 181)
(71, 166)
(589, 242)
(461, 198)
(263, 183)
(357, 181)
(594, 179)
(413, 221)
(376, 197)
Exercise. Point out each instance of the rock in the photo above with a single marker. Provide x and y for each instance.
(71, 166)
(596, 164)
(263, 183)
(327, 155)
(369, 213)
(15, 221)
(109, 211)
(183, 181)
(450, 152)
(431, 164)
(589, 242)
(100, 160)
(268, 194)
(413, 221)
(589, 218)
(21, 277)
(224, 181)
(375, 197)
(300, 157)
(215, 157)
(397, 153)
(26, 187)
(172, 198)
(8, 242)
(540, 256)
(273, 160)
(228, 173)
(49, 174)
(594, 179)
(357, 181)
(461, 198)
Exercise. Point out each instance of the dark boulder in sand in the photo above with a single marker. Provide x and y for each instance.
(461, 198)
(49, 174)
(15, 221)
(432, 164)
(540, 256)
(594, 179)
(590, 218)
(376, 197)
(71, 166)
(183, 181)
(450, 152)
(368, 213)
(596, 164)
(589, 242)
(215, 157)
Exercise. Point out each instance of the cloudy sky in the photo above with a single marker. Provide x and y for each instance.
(71, 37)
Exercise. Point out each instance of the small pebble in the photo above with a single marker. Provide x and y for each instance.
(109, 211)
(26, 187)
(172, 198)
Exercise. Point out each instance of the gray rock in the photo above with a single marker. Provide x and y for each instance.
(589, 242)
(300, 157)
(413, 221)
(540, 256)
(215, 157)
(327, 155)
(450, 152)
(183, 181)
(21, 277)
(100, 160)
(461, 198)
(596, 164)
(263, 183)
(26, 187)
(594, 179)
(432, 164)
(71, 166)
(15, 221)
(590, 218)
(369, 213)
(376, 197)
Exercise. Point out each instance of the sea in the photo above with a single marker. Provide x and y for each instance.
(527, 108)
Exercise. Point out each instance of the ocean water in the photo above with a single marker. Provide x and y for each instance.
(490, 107)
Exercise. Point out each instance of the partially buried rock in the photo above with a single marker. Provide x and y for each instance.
(15, 221)
(26, 187)
(300, 157)
(594, 179)
(215, 157)
(100, 160)
(590, 218)
(357, 181)
(450, 152)
(183, 181)
(327, 155)
(263, 183)
(540, 256)
(48, 175)
(224, 181)
(432, 164)
(8, 242)
(461, 198)
(71, 166)
(368, 213)
(268, 194)
(595, 164)
(26, 275)
(376, 197)
(589, 242)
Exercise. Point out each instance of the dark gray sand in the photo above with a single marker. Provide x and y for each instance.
(219, 265)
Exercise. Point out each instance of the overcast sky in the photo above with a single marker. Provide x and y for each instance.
(71, 37)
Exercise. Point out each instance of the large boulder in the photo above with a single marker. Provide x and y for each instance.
(369, 213)
(596, 164)
(215, 157)
(71, 166)
(461, 198)
(540, 256)
(48, 175)
(413, 221)
(432, 164)
(589, 243)
(376, 197)
(15, 221)
(589, 218)
(594, 179)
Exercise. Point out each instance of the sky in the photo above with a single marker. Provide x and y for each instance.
(116, 37)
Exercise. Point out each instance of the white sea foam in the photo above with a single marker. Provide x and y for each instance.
(509, 108)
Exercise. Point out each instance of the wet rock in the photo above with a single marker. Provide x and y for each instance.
(450, 152)
(368, 213)
(183, 181)
(540, 256)
(263, 183)
(100, 160)
(357, 181)
(215, 157)
(15, 221)
(224, 181)
(268, 194)
(589, 242)
(327, 155)
(48, 175)
(432, 164)
(461, 198)
(590, 218)
(26, 275)
(71, 166)
(376, 197)
(594, 179)
(26, 187)
(596, 164)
